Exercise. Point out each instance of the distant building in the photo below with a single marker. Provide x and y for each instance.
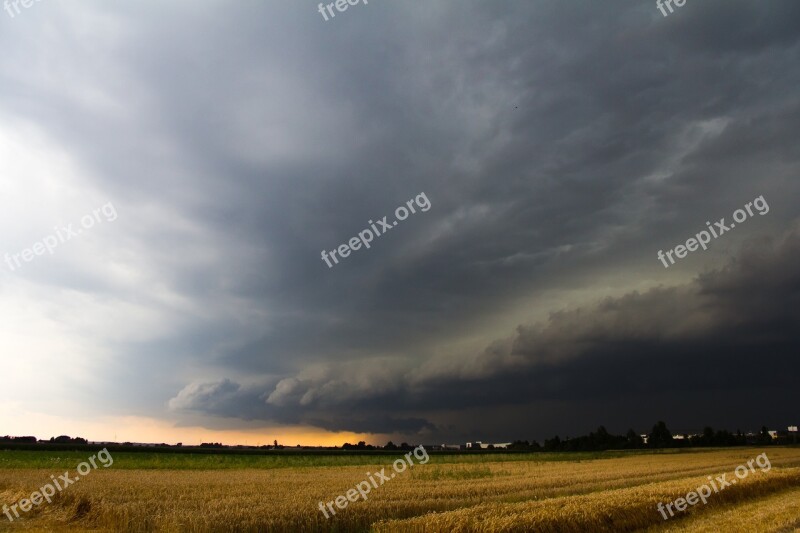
(480, 445)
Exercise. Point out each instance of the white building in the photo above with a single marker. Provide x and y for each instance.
(483, 446)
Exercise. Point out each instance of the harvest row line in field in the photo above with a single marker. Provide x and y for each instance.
(486, 496)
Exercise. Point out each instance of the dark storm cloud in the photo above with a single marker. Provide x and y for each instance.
(549, 144)
(729, 332)
(565, 182)
(558, 142)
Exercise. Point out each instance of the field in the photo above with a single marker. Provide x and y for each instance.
(612, 491)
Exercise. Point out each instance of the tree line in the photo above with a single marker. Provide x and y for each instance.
(659, 437)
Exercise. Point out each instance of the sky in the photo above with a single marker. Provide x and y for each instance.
(173, 172)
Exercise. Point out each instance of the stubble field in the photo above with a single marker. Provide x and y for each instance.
(613, 491)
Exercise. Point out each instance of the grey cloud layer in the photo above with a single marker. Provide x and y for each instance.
(558, 141)
(729, 331)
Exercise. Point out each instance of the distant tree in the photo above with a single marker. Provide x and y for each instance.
(390, 446)
(601, 440)
(704, 439)
(553, 444)
(633, 439)
(660, 437)
(708, 436)
(65, 439)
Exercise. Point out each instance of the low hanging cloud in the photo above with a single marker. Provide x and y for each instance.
(728, 327)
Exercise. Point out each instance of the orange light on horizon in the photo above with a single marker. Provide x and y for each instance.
(18, 422)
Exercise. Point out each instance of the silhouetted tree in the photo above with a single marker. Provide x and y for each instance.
(552, 444)
(660, 437)
(764, 437)
(633, 440)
